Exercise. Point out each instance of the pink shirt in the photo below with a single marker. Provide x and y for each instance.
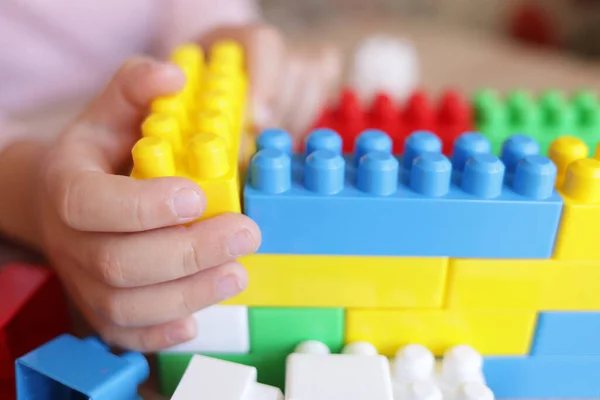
(53, 50)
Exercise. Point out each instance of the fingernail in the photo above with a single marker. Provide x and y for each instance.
(229, 286)
(180, 332)
(172, 70)
(241, 244)
(187, 204)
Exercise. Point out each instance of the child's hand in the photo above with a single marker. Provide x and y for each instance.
(117, 243)
(289, 86)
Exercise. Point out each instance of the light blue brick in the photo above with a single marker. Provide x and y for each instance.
(70, 368)
(479, 207)
(543, 377)
(567, 334)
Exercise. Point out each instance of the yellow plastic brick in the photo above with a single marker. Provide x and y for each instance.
(579, 229)
(490, 332)
(190, 58)
(542, 285)
(343, 281)
(196, 133)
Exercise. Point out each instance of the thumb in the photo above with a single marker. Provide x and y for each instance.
(265, 53)
(110, 125)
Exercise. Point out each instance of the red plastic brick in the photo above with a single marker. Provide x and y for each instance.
(454, 118)
(33, 310)
(448, 118)
(384, 116)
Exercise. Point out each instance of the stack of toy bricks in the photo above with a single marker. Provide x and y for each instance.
(421, 234)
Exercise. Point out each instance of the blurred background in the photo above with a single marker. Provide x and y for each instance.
(504, 44)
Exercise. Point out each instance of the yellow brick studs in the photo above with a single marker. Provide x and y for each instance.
(153, 158)
(580, 222)
(175, 107)
(163, 126)
(195, 134)
(207, 156)
(582, 181)
(563, 152)
(190, 58)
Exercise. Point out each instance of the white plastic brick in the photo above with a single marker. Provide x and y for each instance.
(459, 376)
(212, 379)
(338, 377)
(266, 392)
(384, 64)
(221, 329)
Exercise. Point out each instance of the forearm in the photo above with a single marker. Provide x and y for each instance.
(19, 171)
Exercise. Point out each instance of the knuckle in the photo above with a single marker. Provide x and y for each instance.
(139, 213)
(187, 301)
(192, 260)
(109, 267)
(67, 188)
(112, 308)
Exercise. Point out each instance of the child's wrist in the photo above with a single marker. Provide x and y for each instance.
(21, 188)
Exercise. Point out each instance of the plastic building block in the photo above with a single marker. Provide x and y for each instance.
(196, 133)
(490, 332)
(567, 334)
(385, 64)
(171, 367)
(210, 378)
(479, 284)
(221, 329)
(279, 330)
(539, 377)
(414, 374)
(68, 367)
(459, 375)
(33, 310)
(314, 281)
(545, 119)
(577, 238)
(375, 204)
(337, 376)
(449, 119)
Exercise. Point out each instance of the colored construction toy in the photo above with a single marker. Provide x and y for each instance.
(33, 310)
(70, 368)
(197, 133)
(209, 378)
(464, 228)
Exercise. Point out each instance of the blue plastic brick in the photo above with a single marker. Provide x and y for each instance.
(567, 334)
(543, 377)
(70, 368)
(423, 204)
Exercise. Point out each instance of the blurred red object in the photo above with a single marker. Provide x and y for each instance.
(531, 23)
(33, 311)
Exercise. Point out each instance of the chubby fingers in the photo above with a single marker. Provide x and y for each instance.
(147, 258)
(308, 81)
(167, 301)
(153, 317)
(110, 125)
(124, 204)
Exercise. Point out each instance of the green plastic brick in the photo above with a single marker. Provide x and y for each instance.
(545, 118)
(171, 366)
(280, 330)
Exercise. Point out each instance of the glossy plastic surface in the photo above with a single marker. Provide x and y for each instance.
(488, 208)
